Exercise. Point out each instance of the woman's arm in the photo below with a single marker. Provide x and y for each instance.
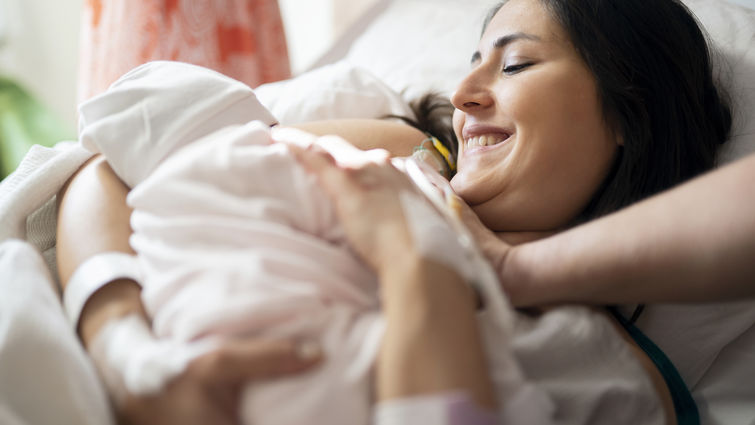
(432, 343)
(397, 138)
(694, 243)
(93, 218)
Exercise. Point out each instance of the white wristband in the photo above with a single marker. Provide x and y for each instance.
(93, 274)
(445, 408)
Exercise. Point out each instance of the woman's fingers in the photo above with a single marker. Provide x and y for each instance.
(292, 137)
(314, 158)
(334, 180)
(491, 246)
(245, 360)
(364, 187)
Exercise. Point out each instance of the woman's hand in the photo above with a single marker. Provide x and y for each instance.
(497, 248)
(208, 391)
(366, 195)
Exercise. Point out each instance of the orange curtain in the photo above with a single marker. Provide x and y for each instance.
(243, 39)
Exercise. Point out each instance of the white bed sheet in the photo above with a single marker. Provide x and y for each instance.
(47, 379)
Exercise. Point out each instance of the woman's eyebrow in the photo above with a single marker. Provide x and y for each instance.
(505, 40)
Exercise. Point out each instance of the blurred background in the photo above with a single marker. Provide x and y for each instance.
(39, 42)
(44, 42)
(41, 80)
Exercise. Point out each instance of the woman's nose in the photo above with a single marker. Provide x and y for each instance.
(473, 93)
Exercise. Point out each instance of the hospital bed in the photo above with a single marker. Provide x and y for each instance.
(398, 50)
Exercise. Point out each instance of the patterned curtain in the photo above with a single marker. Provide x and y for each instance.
(243, 39)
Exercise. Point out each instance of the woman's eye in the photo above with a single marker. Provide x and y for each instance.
(513, 69)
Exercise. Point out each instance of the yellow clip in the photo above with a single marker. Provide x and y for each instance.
(444, 152)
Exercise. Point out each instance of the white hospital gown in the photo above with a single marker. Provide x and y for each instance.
(236, 239)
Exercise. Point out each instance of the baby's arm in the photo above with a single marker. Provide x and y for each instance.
(397, 138)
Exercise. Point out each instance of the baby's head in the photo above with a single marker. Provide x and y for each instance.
(433, 115)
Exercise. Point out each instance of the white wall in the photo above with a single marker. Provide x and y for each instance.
(41, 50)
(309, 30)
(313, 25)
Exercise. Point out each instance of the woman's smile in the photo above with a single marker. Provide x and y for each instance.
(480, 138)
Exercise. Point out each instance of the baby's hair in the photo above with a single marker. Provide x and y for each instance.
(433, 115)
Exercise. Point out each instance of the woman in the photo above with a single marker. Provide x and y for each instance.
(667, 127)
(552, 48)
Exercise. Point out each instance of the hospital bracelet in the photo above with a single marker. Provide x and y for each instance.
(446, 408)
(92, 275)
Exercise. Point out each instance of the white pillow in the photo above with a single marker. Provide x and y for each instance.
(46, 376)
(732, 29)
(421, 45)
(336, 91)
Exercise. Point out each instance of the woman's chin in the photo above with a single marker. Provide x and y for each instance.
(469, 189)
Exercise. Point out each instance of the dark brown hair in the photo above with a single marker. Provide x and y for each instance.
(652, 67)
(433, 115)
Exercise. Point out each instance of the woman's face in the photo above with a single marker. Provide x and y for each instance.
(534, 147)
